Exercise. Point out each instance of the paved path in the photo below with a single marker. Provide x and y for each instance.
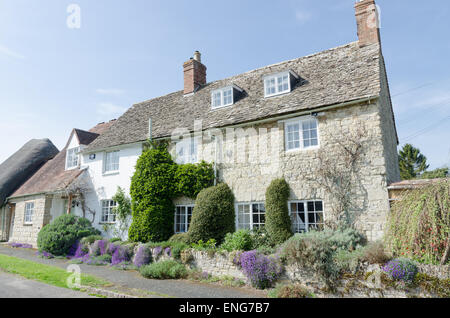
(133, 280)
(14, 286)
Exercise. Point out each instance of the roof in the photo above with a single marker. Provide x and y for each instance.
(53, 177)
(23, 164)
(346, 73)
(100, 128)
(413, 184)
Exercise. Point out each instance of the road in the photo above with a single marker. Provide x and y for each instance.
(13, 286)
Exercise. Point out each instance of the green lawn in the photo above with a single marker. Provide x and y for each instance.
(45, 273)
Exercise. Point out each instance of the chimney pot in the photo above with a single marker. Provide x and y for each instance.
(194, 74)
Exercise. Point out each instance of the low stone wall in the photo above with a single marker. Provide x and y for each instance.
(216, 265)
(439, 271)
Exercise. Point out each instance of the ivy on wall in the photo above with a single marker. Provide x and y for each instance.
(156, 182)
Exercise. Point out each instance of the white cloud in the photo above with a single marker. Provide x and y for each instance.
(6, 51)
(109, 109)
(302, 16)
(109, 91)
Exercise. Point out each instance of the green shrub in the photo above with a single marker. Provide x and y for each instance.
(90, 239)
(192, 178)
(260, 238)
(240, 240)
(278, 222)
(59, 236)
(164, 270)
(156, 181)
(115, 240)
(419, 224)
(180, 238)
(314, 252)
(348, 261)
(213, 215)
(203, 246)
(290, 291)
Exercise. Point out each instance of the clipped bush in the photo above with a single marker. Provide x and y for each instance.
(239, 240)
(278, 223)
(401, 269)
(152, 187)
(65, 231)
(164, 270)
(213, 215)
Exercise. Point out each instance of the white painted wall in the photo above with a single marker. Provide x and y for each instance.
(104, 185)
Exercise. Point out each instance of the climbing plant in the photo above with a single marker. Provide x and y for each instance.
(419, 224)
(156, 181)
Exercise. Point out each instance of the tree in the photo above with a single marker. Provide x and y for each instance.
(434, 174)
(412, 163)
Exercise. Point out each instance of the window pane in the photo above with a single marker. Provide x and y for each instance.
(310, 206)
(318, 205)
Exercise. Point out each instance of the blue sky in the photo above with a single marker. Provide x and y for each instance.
(53, 78)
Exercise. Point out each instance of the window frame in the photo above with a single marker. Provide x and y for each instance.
(192, 141)
(105, 162)
(275, 76)
(300, 121)
(186, 222)
(306, 212)
(29, 214)
(251, 223)
(76, 154)
(222, 97)
(109, 213)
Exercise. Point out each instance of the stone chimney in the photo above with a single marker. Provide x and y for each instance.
(194, 74)
(368, 23)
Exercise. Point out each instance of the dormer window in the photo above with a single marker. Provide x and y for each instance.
(222, 97)
(225, 96)
(72, 158)
(280, 83)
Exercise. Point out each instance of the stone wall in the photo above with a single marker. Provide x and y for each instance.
(27, 233)
(250, 178)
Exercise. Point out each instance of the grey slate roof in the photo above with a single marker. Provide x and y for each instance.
(18, 168)
(334, 76)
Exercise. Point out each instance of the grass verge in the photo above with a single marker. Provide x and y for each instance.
(45, 273)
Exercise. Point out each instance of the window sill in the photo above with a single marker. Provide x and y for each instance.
(28, 224)
(110, 223)
(293, 151)
(110, 173)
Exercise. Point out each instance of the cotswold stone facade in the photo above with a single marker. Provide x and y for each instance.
(249, 177)
(24, 232)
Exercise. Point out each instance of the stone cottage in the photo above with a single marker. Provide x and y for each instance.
(51, 191)
(324, 122)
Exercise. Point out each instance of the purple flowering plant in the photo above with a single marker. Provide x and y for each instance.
(261, 270)
(121, 254)
(157, 251)
(168, 251)
(401, 269)
(20, 245)
(143, 256)
(45, 254)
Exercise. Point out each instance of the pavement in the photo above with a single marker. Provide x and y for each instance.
(14, 286)
(132, 281)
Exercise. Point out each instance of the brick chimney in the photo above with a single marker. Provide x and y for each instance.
(194, 74)
(368, 23)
